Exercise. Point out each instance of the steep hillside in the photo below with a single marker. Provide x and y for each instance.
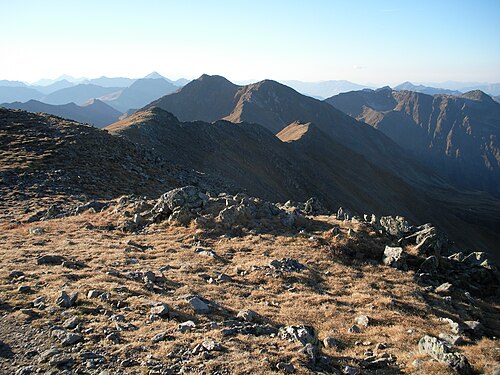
(46, 156)
(250, 158)
(456, 137)
(275, 106)
(78, 94)
(208, 98)
(94, 112)
(18, 94)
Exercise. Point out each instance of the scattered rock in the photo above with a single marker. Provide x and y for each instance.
(395, 226)
(331, 342)
(247, 315)
(186, 326)
(354, 329)
(287, 265)
(50, 260)
(199, 305)
(66, 300)
(362, 320)
(71, 339)
(164, 336)
(71, 323)
(161, 310)
(444, 289)
(302, 334)
(429, 265)
(285, 367)
(441, 351)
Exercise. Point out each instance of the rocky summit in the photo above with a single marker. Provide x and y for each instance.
(121, 262)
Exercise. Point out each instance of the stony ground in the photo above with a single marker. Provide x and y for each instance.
(79, 295)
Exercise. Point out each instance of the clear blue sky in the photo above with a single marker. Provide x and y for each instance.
(382, 42)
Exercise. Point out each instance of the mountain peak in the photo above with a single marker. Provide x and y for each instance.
(477, 95)
(154, 75)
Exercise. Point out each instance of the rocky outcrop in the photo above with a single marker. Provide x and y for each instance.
(443, 352)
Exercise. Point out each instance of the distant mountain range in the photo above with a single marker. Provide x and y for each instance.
(408, 86)
(323, 89)
(94, 112)
(456, 136)
(123, 94)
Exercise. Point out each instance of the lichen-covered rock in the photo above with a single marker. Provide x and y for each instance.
(395, 257)
(180, 199)
(442, 351)
(430, 264)
(430, 242)
(395, 226)
(301, 334)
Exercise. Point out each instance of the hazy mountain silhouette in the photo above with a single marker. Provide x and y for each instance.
(111, 81)
(78, 94)
(323, 89)
(7, 83)
(424, 89)
(140, 93)
(94, 112)
(18, 93)
(53, 87)
(456, 137)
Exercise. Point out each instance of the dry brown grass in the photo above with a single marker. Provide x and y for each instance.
(328, 295)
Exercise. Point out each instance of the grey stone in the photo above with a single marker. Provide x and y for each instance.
(186, 326)
(430, 264)
(441, 351)
(302, 334)
(71, 323)
(354, 329)
(199, 305)
(330, 342)
(451, 339)
(362, 320)
(160, 309)
(395, 226)
(286, 367)
(50, 260)
(247, 315)
(395, 257)
(71, 339)
(66, 300)
(444, 289)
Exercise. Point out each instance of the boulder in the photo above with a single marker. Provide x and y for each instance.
(183, 200)
(301, 334)
(429, 265)
(199, 305)
(395, 257)
(395, 226)
(66, 300)
(314, 207)
(443, 352)
(430, 242)
(50, 260)
(287, 265)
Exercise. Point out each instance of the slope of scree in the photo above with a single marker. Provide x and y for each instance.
(222, 284)
(455, 136)
(43, 156)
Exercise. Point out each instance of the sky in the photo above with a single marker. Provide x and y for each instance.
(364, 41)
